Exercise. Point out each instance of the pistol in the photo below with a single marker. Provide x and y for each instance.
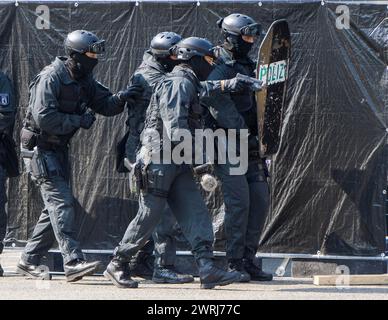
(256, 85)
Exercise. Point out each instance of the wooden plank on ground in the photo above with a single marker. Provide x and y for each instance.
(352, 280)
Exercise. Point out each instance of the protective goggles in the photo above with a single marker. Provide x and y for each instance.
(97, 47)
(253, 29)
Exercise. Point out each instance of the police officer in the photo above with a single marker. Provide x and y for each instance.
(246, 196)
(8, 159)
(174, 105)
(157, 61)
(63, 98)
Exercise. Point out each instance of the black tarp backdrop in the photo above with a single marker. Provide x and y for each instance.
(328, 177)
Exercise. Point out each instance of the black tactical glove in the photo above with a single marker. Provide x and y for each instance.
(87, 120)
(233, 85)
(239, 83)
(130, 93)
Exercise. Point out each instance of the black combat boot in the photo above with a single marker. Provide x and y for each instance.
(256, 273)
(168, 274)
(1, 271)
(118, 272)
(77, 269)
(142, 265)
(237, 265)
(212, 276)
(31, 270)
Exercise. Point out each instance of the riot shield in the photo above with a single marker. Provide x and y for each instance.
(272, 69)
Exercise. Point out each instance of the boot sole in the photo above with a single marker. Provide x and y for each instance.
(143, 276)
(79, 275)
(164, 280)
(262, 280)
(117, 284)
(20, 270)
(212, 285)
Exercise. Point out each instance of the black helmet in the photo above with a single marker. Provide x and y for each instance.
(82, 41)
(194, 51)
(193, 46)
(239, 24)
(162, 42)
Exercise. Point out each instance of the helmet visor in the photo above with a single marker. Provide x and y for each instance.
(97, 47)
(253, 29)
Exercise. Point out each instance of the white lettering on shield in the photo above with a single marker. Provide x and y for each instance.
(273, 73)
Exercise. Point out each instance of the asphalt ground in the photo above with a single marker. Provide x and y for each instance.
(16, 287)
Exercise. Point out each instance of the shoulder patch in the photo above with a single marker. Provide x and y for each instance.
(4, 99)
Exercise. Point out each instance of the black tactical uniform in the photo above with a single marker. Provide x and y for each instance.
(156, 63)
(174, 104)
(246, 196)
(61, 97)
(8, 160)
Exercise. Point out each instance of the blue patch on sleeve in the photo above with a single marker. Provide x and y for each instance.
(4, 99)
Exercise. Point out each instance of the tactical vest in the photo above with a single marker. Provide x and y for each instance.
(153, 116)
(244, 100)
(136, 115)
(196, 111)
(72, 99)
